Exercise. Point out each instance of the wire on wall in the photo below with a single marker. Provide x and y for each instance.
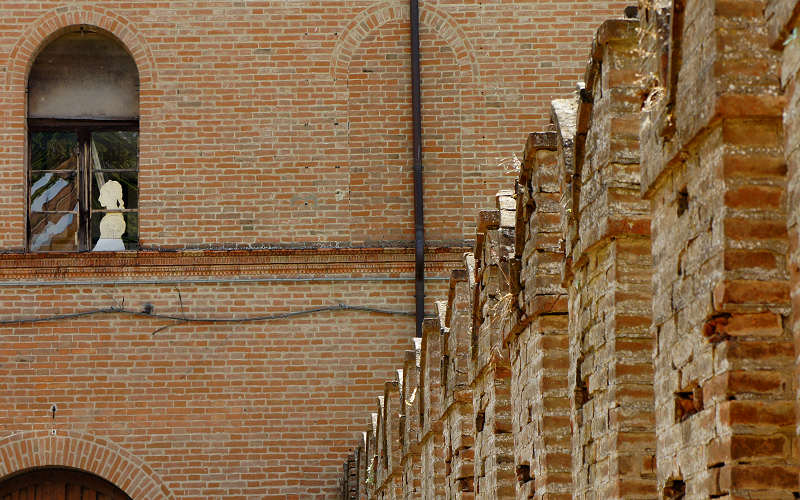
(187, 319)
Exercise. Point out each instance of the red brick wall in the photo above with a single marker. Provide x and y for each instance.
(262, 123)
(380, 143)
(256, 114)
(675, 184)
(217, 410)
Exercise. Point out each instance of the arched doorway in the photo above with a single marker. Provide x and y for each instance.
(59, 484)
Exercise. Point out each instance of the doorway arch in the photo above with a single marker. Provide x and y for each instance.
(58, 483)
(29, 450)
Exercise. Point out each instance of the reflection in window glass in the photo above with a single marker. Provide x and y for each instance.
(54, 231)
(53, 192)
(54, 151)
(116, 149)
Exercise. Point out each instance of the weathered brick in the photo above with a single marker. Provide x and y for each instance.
(490, 371)
(677, 334)
(275, 158)
(721, 292)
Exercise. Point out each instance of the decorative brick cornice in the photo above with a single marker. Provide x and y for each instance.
(271, 263)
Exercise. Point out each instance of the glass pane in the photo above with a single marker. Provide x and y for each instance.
(53, 192)
(116, 149)
(127, 191)
(108, 227)
(54, 151)
(57, 232)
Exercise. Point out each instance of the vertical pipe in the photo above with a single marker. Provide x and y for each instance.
(419, 220)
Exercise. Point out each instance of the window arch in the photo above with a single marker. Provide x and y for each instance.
(83, 133)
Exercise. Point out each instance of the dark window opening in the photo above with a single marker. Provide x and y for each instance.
(83, 146)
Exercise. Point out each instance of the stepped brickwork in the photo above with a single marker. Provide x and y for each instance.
(237, 346)
(490, 368)
(626, 325)
(457, 419)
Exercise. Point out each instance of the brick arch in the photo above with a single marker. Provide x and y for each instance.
(55, 22)
(382, 13)
(98, 456)
(20, 59)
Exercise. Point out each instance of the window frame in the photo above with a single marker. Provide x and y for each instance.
(83, 128)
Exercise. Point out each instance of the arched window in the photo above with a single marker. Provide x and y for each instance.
(83, 159)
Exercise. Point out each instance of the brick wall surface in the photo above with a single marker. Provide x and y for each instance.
(781, 25)
(651, 334)
(265, 112)
(490, 370)
(458, 422)
(210, 399)
(266, 125)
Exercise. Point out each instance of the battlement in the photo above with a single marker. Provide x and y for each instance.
(632, 324)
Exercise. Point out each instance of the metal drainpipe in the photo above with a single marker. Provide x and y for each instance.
(419, 221)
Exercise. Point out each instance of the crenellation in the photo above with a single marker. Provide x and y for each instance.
(721, 268)
(610, 344)
(563, 116)
(626, 325)
(389, 431)
(410, 423)
(371, 446)
(382, 477)
(349, 481)
(490, 374)
(430, 411)
(774, 383)
(539, 354)
(362, 460)
(457, 414)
